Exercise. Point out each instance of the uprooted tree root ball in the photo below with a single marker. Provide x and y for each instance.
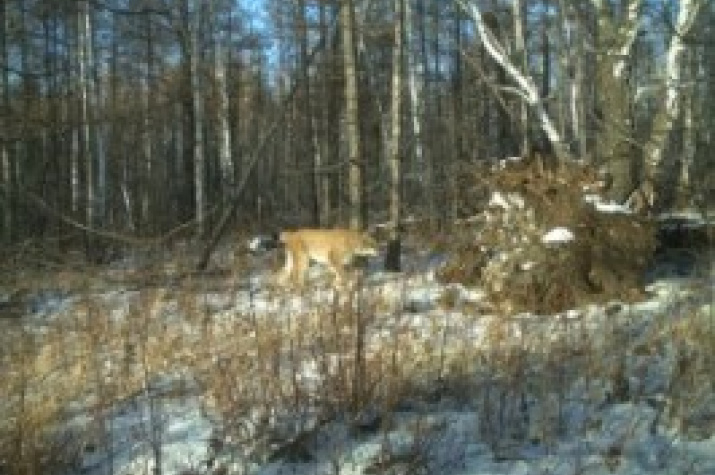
(541, 239)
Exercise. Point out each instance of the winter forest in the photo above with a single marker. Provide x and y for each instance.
(140, 117)
(538, 178)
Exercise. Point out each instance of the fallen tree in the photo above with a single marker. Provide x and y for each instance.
(539, 237)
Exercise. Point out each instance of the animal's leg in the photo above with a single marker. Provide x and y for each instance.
(336, 266)
(288, 268)
(300, 267)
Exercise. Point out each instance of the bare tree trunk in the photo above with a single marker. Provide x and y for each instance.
(178, 175)
(5, 160)
(352, 116)
(431, 58)
(84, 52)
(526, 89)
(704, 183)
(22, 143)
(75, 183)
(415, 77)
(669, 109)
(691, 118)
(569, 93)
(545, 52)
(520, 58)
(198, 125)
(99, 134)
(614, 148)
(224, 131)
(321, 140)
(458, 133)
(147, 103)
(392, 257)
(575, 76)
(309, 137)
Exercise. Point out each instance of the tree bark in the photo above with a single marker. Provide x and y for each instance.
(6, 175)
(392, 257)
(321, 133)
(574, 72)
(415, 85)
(526, 89)
(520, 59)
(669, 110)
(310, 141)
(222, 110)
(147, 103)
(691, 117)
(614, 147)
(198, 123)
(352, 129)
(85, 77)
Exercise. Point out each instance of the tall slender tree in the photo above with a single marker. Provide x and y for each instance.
(222, 109)
(198, 117)
(6, 174)
(392, 257)
(352, 117)
(520, 58)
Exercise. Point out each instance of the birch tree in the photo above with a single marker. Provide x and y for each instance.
(704, 181)
(520, 58)
(84, 50)
(525, 88)
(415, 87)
(198, 122)
(352, 128)
(222, 110)
(669, 109)
(574, 73)
(614, 147)
(685, 189)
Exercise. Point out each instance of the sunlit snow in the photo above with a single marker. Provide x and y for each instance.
(557, 235)
(598, 435)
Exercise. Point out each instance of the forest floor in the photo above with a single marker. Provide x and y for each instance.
(550, 333)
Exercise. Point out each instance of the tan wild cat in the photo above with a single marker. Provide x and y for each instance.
(333, 248)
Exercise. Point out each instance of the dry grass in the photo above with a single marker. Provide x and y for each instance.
(273, 381)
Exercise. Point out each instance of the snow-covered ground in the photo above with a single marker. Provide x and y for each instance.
(521, 405)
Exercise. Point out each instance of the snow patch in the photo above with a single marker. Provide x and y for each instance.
(557, 235)
(600, 437)
(505, 201)
(609, 207)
